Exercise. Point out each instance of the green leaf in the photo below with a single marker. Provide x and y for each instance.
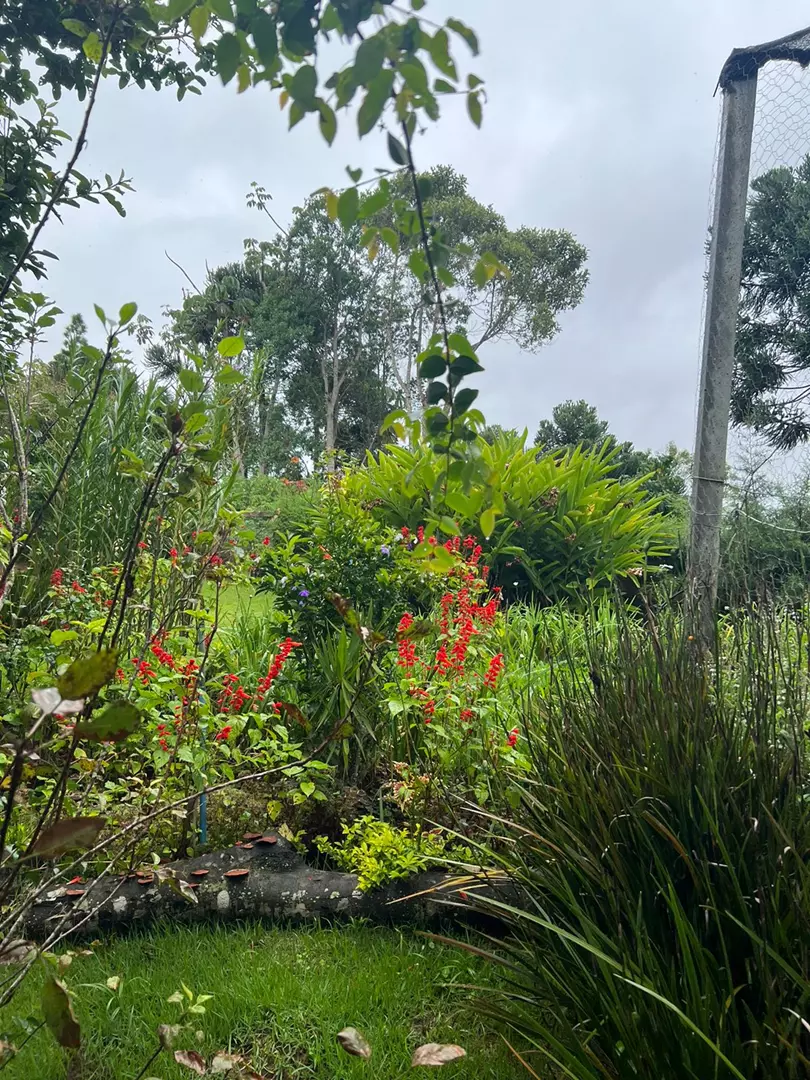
(432, 367)
(463, 400)
(307, 787)
(328, 122)
(399, 155)
(465, 365)
(459, 343)
(374, 102)
(198, 21)
(57, 1012)
(222, 8)
(448, 526)
(92, 48)
(437, 421)
(331, 200)
(356, 175)
(242, 78)
(377, 200)
(348, 206)
(418, 264)
(458, 27)
(303, 86)
(413, 72)
(228, 376)
(369, 60)
(69, 834)
(114, 724)
(176, 9)
(439, 49)
(480, 274)
(76, 26)
(474, 107)
(442, 86)
(60, 637)
(191, 380)
(127, 313)
(436, 392)
(298, 33)
(228, 56)
(391, 238)
(231, 346)
(100, 313)
(88, 674)
(265, 37)
(487, 522)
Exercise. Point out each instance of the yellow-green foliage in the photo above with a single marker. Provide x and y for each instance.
(379, 852)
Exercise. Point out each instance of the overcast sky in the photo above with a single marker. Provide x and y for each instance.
(601, 120)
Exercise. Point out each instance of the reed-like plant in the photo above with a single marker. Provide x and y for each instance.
(661, 857)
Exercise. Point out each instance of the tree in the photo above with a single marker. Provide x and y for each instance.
(572, 423)
(771, 387)
(546, 275)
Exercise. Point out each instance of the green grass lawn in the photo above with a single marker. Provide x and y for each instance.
(279, 997)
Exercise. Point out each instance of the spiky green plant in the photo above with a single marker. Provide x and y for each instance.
(568, 528)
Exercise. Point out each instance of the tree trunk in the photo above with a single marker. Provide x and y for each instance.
(278, 885)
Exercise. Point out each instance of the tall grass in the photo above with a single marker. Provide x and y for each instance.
(660, 852)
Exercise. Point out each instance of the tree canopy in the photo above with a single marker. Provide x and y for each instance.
(333, 325)
(771, 388)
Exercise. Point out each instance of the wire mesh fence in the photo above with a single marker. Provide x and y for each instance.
(764, 535)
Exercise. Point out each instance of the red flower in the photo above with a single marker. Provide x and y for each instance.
(277, 664)
(494, 670)
(186, 549)
(420, 533)
(466, 716)
(56, 578)
(443, 662)
(163, 656)
(173, 553)
(513, 737)
(406, 532)
(77, 588)
(215, 560)
(142, 670)
(406, 648)
(142, 545)
(266, 541)
(221, 736)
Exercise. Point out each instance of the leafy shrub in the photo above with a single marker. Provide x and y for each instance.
(568, 528)
(660, 849)
(340, 548)
(379, 852)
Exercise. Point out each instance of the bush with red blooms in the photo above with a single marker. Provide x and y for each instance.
(447, 674)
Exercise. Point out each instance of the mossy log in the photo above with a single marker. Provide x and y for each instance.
(262, 879)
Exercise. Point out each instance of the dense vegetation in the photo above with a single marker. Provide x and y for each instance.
(290, 579)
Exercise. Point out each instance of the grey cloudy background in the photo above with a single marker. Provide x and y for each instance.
(601, 119)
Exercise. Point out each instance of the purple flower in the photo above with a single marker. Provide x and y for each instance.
(385, 549)
(304, 593)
